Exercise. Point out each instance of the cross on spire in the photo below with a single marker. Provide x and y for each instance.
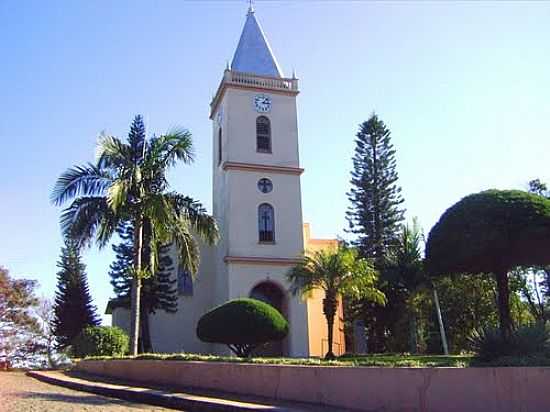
(251, 6)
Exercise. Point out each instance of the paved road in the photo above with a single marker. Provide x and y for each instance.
(20, 393)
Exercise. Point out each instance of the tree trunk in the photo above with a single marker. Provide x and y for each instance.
(440, 322)
(49, 352)
(136, 288)
(504, 303)
(329, 308)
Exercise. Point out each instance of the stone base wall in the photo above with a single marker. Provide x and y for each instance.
(361, 388)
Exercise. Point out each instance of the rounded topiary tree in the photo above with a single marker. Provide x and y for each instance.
(243, 325)
(491, 232)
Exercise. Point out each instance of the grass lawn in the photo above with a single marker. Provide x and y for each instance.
(381, 360)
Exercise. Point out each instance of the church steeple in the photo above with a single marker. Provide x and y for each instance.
(253, 54)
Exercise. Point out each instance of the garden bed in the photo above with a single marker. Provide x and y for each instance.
(377, 360)
(382, 360)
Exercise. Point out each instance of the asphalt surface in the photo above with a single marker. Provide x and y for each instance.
(20, 393)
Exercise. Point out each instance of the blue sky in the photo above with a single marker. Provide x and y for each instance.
(464, 88)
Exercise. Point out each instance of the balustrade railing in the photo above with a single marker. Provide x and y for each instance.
(253, 80)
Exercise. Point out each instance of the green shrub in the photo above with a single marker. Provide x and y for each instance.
(528, 340)
(243, 325)
(100, 341)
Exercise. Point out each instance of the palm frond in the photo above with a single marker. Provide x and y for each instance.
(338, 272)
(86, 180)
(176, 145)
(304, 278)
(203, 224)
(112, 153)
(117, 194)
(186, 247)
(158, 210)
(87, 217)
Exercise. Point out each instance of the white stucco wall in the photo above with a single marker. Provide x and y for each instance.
(121, 318)
(243, 202)
(176, 332)
(239, 125)
(236, 200)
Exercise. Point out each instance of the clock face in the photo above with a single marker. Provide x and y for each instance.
(262, 103)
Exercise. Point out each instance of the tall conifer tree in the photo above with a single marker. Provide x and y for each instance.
(374, 216)
(73, 308)
(376, 209)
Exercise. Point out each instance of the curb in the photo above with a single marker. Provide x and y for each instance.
(149, 396)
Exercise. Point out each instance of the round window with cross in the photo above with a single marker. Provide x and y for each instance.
(265, 185)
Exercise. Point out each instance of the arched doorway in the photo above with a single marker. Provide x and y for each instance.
(272, 294)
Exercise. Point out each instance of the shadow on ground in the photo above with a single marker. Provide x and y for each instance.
(91, 399)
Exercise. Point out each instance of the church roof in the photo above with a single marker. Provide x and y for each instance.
(253, 54)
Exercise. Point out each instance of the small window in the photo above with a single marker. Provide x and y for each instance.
(263, 135)
(219, 145)
(265, 185)
(266, 223)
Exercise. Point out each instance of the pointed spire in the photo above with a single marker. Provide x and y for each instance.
(253, 54)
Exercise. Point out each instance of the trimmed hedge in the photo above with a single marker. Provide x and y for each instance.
(100, 341)
(243, 325)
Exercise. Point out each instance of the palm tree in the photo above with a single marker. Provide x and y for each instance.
(404, 268)
(339, 273)
(128, 183)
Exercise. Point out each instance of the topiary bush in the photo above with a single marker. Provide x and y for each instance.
(528, 340)
(100, 341)
(493, 231)
(242, 325)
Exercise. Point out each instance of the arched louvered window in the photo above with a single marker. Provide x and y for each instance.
(266, 223)
(263, 134)
(220, 145)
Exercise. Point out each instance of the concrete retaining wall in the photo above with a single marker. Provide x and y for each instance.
(370, 389)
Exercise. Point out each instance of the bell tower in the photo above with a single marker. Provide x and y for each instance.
(256, 182)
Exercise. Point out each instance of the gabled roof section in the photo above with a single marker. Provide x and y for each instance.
(253, 54)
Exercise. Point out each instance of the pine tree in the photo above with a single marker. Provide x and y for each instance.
(375, 216)
(375, 213)
(73, 307)
(119, 271)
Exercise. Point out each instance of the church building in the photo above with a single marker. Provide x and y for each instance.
(257, 204)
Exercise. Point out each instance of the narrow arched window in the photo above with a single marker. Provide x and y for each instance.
(219, 145)
(263, 134)
(266, 223)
